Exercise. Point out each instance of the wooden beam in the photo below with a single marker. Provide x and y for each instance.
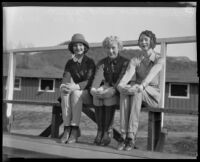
(56, 121)
(31, 102)
(79, 150)
(163, 79)
(174, 40)
(10, 86)
(21, 153)
(186, 111)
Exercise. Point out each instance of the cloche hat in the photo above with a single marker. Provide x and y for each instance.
(78, 38)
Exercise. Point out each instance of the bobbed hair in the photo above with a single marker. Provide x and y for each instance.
(152, 37)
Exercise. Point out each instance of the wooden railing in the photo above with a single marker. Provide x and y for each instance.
(155, 114)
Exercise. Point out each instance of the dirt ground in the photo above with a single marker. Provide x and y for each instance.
(181, 137)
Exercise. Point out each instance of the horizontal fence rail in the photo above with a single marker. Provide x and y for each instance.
(153, 109)
(175, 40)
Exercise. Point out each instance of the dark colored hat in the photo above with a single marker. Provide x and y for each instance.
(77, 38)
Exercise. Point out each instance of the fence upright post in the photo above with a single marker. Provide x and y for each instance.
(56, 121)
(10, 89)
(162, 79)
(155, 123)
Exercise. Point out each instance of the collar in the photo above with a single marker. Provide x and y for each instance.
(77, 60)
(114, 61)
(152, 57)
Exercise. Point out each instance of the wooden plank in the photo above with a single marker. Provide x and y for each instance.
(173, 40)
(172, 111)
(31, 102)
(20, 153)
(153, 109)
(79, 150)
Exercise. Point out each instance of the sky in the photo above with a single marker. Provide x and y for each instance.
(49, 26)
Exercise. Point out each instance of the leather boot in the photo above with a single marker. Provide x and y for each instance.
(99, 122)
(108, 129)
(74, 135)
(67, 131)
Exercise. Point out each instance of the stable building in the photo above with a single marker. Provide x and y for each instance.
(181, 91)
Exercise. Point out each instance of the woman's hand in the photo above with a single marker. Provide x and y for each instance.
(103, 92)
(68, 87)
(72, 86)
(108, 92)
(131, 90)
(124, 89)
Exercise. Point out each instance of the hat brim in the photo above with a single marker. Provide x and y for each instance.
(70, 45)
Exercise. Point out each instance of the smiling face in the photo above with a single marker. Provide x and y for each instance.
(145, 42)
(78, 49)
(112, 50)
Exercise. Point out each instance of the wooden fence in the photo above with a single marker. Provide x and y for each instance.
(156, 134)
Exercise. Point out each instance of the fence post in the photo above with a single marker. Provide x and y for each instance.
(10, 87)
(56, 121)
(154, 129)
(162, 79)
(7, 121)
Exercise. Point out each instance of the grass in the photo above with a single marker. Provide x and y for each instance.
(181, 137)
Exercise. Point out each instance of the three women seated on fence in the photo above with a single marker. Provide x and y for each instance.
(117, 82)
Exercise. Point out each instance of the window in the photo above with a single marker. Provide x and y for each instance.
(179, 90)
(17, 84)
(46, 85)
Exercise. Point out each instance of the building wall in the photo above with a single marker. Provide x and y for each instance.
(29, 91)
(179, 103)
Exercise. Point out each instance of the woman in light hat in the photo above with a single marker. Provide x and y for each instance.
(104, 88)
(139, 85)
(77, 79)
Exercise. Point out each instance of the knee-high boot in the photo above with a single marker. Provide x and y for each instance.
(99, 114)
(108, 128)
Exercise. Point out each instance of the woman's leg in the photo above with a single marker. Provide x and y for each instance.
(110, 107)
(124, 118)
(108, 124)
(76, 104)
(150, 96)
(99, 117)
(66, 115)
(124, 114)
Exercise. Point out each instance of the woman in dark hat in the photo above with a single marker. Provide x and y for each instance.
(104, 90)
(77, 79)
(139, 85)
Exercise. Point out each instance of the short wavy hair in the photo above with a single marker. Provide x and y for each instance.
(152, 37)
(108, 41)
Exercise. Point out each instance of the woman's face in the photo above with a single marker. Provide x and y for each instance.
(144, 42)
(78, 48)
(112, 51)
